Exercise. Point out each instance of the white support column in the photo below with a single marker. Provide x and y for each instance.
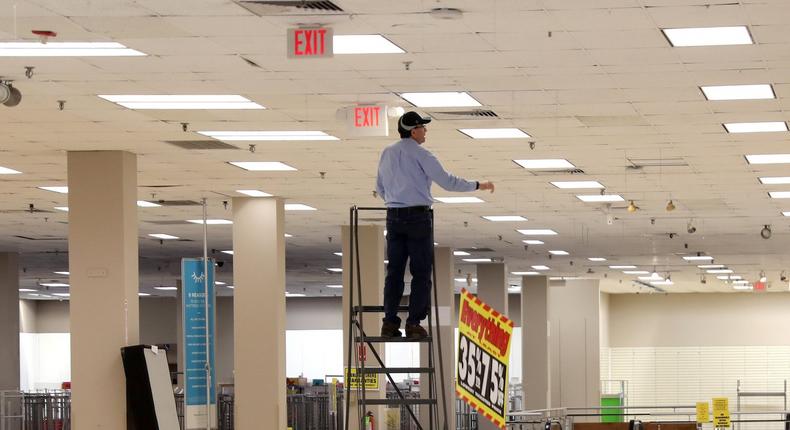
(104, 305)
(535, 342)
(492, 289)
(9, 321)
(371, 265)
(574, 346)
(259, 313)
(445, 293)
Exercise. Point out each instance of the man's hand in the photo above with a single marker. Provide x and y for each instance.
(487, 185)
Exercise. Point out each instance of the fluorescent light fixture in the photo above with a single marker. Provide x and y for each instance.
(62, 294)
(254, 193)
(460, 253)
(779, 194)
(541, 267)
(339, 254)
(653, 277)
(231, 287)
(143, 294)
(211, 221)
(786, 213)
(62, 273)
(742, 287)
(738, 92)
(166, 288)
(494, 133)
(775, 180)
(551, 163)
(742, 281)
(768, 159)
(334, 269)
(287, 294)
(334, 286)
(147, 204)
(440, 99)
(537, 232)
(288, 235)
(262, 166)
(364, 44)
(265, 136)
(533, 242)
(181, 101)
(298, 207)
(529, 273)
(662, 282)
(514, 288)
(7, 171)
(708, 36)
(62, 208)
(230, 251)
(717, 271)
(459, 200)
(736, 277)
(477, 260)
(711, 266)
(53, 284)
(464, 280)
(635, 272)
(600, 198)
(219, 282)
(504, 218)
(66, 49)
(569, 185)
(755, 127)
(58, 189)
(163, 236)
(27, 290)
(697, 257)
(623, 267)
(558, 252)
(596, 259)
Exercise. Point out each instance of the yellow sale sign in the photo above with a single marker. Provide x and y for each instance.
(483, 356)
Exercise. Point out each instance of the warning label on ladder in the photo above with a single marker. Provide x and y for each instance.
(354, 380)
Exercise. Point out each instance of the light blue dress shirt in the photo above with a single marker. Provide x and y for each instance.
(406, 171)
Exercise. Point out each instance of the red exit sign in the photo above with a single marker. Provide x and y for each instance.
(310, 42)
(367, 120)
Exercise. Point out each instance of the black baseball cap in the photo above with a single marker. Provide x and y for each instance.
(412, 119)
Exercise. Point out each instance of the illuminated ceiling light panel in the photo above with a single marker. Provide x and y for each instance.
(53, 284)
(62, 294)
(596, 259)
(287, 294)
(533, 242)
(230, 251)
(537, 232)
(653, 277)
(147, 204)
(211, 221)
(334, 286)
(440, 99)
(697, 257)
(495, 133)
(779, 194)
(664, 282)
(740, 281)
(530, 273)
(708, 36)
(711, 266)
(477, 260)
(262, 166)
(231, 287)
(143, 294)
(181, 101)
(166, 288)
(298, 207)
(625, 267)
(61, 190)
(339, 254)
(459, 200)
(635, 272)
(163, 236)
(27, 290)
(461, 253)
(738, 92)
(62, 208)
(364, 44)
(66, 49)
(550, 163)
(62, 273)
(288, 235)
(219, 283)
(717, 271)
(334, 269)
(558, 252)
(742, 287)
(785, 213)
(541, 267)
(600, 198)
(755, 127)
(7, 171)
(264, 136)
(768, 159)
(254, 193)
(569, 185)
(464, 280)
(504, 218)
(775, 180)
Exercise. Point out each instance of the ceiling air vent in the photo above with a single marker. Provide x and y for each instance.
(641, 163)
(40, 238)
(177, 202)
(199, 145)
(465, 114)
(551, 172)
(471, 250)
(286, 7)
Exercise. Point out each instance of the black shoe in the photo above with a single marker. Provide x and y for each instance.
(415, 331)
(390, 329)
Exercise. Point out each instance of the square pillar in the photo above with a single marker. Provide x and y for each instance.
(492, 289)
(535, 342)
(9, 321)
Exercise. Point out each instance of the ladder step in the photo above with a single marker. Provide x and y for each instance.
(374, 339)
(380, 370)
(373, 308)
(397, 402)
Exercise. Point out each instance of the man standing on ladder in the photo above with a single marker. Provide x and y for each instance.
(406, 172)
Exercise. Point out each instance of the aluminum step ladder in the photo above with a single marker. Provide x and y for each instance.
(358, 339)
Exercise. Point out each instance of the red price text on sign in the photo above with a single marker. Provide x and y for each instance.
(310, 42)
(366, 116)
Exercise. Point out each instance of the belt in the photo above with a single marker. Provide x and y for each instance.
(408, 210)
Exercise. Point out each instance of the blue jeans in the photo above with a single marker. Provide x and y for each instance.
(409, 236)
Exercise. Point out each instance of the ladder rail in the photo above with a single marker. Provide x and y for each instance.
(438, 332)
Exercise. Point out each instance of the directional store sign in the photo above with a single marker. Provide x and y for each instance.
(483, 356)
